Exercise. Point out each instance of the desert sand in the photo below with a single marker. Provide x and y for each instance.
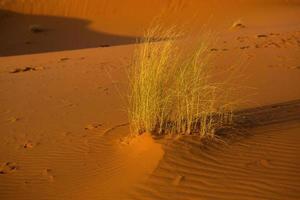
(63, 121)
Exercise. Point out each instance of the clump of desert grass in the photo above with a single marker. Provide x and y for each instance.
(171, 87)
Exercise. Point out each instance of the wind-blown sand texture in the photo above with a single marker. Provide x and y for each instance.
(63, 122)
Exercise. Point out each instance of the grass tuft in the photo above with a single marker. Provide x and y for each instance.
(171, 87)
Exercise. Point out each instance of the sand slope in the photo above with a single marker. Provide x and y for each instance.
(261, 166)
(64, 138)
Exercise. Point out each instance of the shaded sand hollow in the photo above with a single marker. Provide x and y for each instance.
(63, 124)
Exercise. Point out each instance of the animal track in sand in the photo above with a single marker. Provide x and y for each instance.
(25, 69)
(271, 40)
(115, 127)
(8, 167)
(215, 49)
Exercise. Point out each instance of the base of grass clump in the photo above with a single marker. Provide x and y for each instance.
(171, 89)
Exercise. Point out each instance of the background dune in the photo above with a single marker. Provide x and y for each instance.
(77, 24)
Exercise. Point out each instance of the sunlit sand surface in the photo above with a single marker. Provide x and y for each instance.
(63, 121)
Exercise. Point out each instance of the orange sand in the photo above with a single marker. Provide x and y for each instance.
(63, 124)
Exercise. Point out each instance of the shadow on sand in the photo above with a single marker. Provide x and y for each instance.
(28, 34)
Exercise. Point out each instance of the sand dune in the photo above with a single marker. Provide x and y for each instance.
(63, 122)
(93, 23)
(262, 165)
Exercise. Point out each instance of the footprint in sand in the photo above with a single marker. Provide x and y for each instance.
(64, 59)
(238, 25)
(8, 167)
(274, 34)
(177, 180)
(28, 145)
(104, 45)
(259, 163)
(245, 47)
(28, 42)
(24, 69)
(114, 127)
(105, 90)
(242, 38)
(257, 46)
(66, 133)
(261, 36)
(273, 44)
(13, 119)
(36, 28)
(48, 173)
(264, 163)
(93, 126)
